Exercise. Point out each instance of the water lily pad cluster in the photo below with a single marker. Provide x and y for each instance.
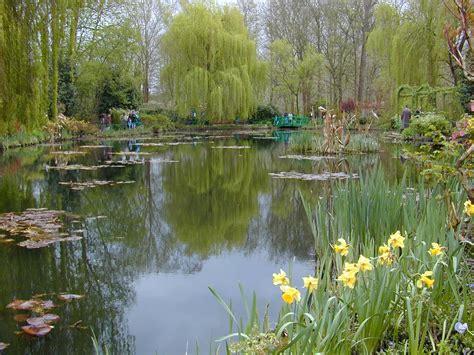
(38, 322)
(67, 152)
(94, 183)
(231, 147)
(106, 164)
(305, 157)
(41, 227)
(319, 177)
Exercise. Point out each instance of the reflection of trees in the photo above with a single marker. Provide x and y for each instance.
(173, 217)
(211, 196)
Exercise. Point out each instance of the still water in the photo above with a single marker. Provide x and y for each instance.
(195, 216)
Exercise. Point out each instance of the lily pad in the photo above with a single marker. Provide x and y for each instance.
(319, 177)
(92, 184)
(231, 147)
(305, 157)
(38, 331)
(40, 227)
(23, 305)
(69, 297)
(67, 152)
(46, 319)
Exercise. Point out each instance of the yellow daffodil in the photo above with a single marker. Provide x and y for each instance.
(469, 208)
(436, 249)
(280, 278)
(311, 283)
(290, 294)
(425, 279)
(384, 249)
(348, 279)
(386, 258)
(364, 263)
(396, 240)
(351, 267)
(341, 248)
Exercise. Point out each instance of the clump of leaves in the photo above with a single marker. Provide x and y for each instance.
(38, 322)
(41, 227)
(430, 125)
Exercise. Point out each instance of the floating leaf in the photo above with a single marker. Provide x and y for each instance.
(46, 319)
(38, 331)
(319, 177)
(306, 157)
(48, 304)
(51, 318)
(69, 297)
(231, 147)
(3, 346)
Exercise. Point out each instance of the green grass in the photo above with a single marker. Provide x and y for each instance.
(359, 143)
(22, 139)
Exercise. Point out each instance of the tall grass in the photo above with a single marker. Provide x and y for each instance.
(358, 143)
(386, 311)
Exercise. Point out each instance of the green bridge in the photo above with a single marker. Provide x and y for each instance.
(291, 122)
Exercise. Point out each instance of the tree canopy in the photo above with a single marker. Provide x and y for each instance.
(212, 63)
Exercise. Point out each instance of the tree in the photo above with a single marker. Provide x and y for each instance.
(291, 75)
(212, 66)
(151, 21)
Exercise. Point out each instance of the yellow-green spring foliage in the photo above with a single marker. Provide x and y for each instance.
(212, 66)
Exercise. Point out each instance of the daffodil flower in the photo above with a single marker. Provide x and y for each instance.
(386, 258)
(341, 248)
(469, 208)
(384, 249)
(280, 278)
(396, 240)
(311, 283)
(364, 263)
(425, 279)
(351, 267)
(348, 279)
(436, 249)
(290, 294)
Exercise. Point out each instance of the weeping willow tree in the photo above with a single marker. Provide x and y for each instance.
(19, 91)
(212, 66)
(408, 45)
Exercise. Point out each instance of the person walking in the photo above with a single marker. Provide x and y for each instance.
(406, 117)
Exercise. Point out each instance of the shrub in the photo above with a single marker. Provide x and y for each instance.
(429, 124)
(395, 122)
(408, 133)
(117, 114)
(264, 113)
(158, 122)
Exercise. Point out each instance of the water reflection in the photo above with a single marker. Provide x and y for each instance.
(211, 217)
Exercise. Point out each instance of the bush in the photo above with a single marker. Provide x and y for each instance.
(408, 133)
(158, 122)
(395, 122)
(429, 124)
(117, 114)
(264, 113)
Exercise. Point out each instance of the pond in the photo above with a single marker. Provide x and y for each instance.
(193, 211)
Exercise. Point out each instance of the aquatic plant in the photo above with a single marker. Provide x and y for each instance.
(391, 282)
(358, 143)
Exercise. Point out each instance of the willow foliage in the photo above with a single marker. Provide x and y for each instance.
(212, 66)
(409, 45)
